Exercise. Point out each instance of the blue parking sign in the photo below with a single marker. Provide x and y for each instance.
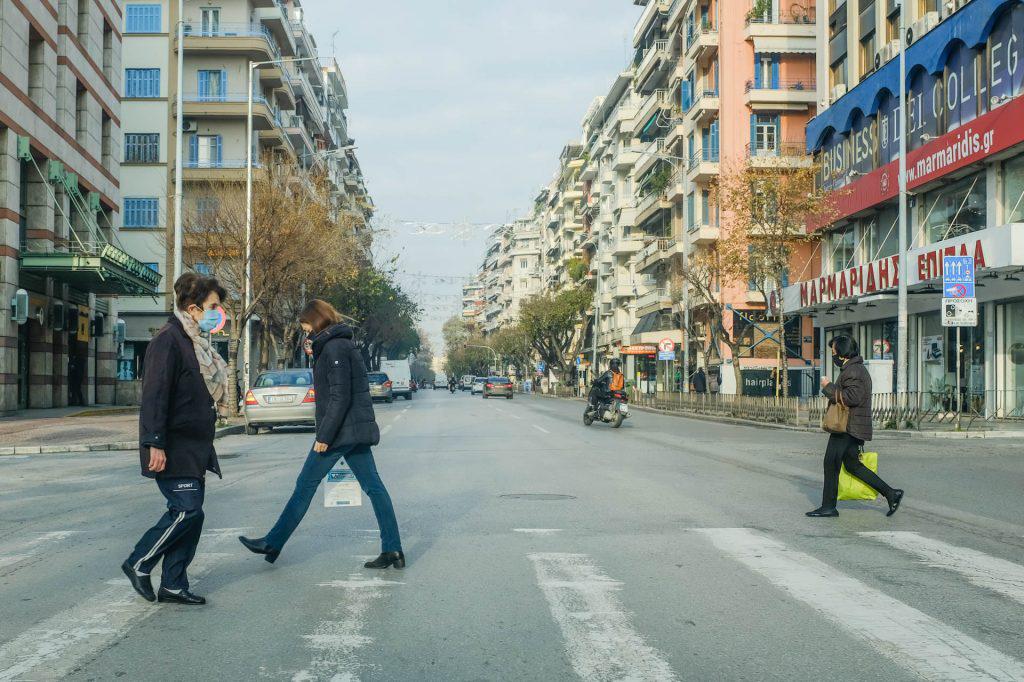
(958, 276)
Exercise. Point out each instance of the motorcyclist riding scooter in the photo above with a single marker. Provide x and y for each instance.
(451, 384)
(607, 399)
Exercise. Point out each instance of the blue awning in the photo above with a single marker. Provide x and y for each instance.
(970, 26)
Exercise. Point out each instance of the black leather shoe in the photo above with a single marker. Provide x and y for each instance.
(183, 597)
(821, 512)
(142, 584)
(396, 559)
(894, 502)
(260, 546)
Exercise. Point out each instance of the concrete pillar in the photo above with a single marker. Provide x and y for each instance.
(39, 211)
(106, 357)
(9, 237)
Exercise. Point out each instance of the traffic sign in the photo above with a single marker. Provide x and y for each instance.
(665, 345)
(958, 277)
(959, 312)
(666, 355)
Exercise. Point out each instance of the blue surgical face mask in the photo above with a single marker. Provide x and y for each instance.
(211, 318)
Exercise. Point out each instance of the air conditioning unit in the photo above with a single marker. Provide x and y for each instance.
(189, 125)
(838, 91)
(926, 23)
(888, 51)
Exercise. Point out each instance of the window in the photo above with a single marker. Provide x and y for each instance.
(211, 21)
(213, 85)
(207, 209)
(142, 19)
(1013, 190)
(155, 267)
(764, 134)
(523, 263)
(142, 82)
(81, 114)
(867, 53)
(107, 145)
(690, 209)
(205, 151)
(954, 210)
(142, 148)
(705, 206)
(141, 212)
(36, 66)
(83, 21)
(841, 252)
(766, 71)
(108, 50)
(881, 235)
(838, 73)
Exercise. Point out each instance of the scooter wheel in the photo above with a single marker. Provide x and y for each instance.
(587, 419)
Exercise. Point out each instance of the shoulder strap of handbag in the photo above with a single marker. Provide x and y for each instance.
(839, 396)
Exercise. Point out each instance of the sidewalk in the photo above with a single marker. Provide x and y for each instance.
(77, 429)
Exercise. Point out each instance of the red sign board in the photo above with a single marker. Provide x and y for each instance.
(986, 135)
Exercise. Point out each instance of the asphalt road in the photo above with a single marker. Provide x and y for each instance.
(668, 549)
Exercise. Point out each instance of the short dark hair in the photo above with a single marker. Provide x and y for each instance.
(844, 346)
(193, 289)
(319, 315)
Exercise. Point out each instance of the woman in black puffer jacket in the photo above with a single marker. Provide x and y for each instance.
(853, 387)
(345, 427)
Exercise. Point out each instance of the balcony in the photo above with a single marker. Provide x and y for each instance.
(703, 165)
(705, 106)
(655, 10)
(651, 154)
(653, 301)
(625, 246)
(251, 40)
(702, 41)
(789, 32)
(219, 170)
(658, 101)
(782, 93)
(704, 234)
(276, 19)
(780, 155)
(295, 126)
(626, 158)
(650, 204)
(623, 290)
(656, 61)
(227, 106)
(677, 186)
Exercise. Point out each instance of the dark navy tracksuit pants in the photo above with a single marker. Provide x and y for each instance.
(176, 535)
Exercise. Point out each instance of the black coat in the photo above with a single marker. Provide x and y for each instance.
(178, 414)
(700, 382)
(344, 409)
(855, 383)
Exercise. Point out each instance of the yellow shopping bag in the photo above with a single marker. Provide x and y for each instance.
(851, 488)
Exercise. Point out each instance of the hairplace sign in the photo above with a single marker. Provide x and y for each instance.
(992, 248)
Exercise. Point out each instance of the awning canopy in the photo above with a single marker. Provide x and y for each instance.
(649, 322)
(784, 45)
(108, 270)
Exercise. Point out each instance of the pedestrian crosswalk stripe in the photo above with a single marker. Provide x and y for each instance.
(928, 647)
(336, 641)
(55, 647)
(998, 575)
(600, 641)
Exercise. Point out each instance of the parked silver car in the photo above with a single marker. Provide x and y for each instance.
(380, 387)
(280, 398)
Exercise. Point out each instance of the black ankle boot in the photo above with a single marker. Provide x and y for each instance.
(396, 559)
(260, 546)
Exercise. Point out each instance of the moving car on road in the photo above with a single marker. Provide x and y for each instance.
(466, 383)
(380, 387)
(400, 375)
(498, 386)
(478, 385)
(280, 398)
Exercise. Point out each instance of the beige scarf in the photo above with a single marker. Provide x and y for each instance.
(211, 364)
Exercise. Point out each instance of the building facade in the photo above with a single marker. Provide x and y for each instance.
(62, 264)
(299, 113)
(965, 176)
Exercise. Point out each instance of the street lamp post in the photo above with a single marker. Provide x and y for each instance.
(178, 149)
(902, 352)
(247, 343)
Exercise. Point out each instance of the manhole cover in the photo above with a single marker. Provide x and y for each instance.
(538, 496)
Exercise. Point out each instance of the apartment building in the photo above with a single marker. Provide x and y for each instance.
(965, 163)
(299, 113)
(61, 263)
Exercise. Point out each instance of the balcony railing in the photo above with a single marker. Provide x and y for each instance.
(776, 150)
(220, 163)
(234, 97)
(797, 84)
(656, 297)
(695, 32)
(792, 17)
(234, 30)
(709, 155)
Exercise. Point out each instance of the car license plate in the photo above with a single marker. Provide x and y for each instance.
(279, 399)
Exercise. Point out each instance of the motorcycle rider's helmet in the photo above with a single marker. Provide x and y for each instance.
(614, 365)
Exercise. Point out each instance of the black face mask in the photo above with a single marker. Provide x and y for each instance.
(837, 361)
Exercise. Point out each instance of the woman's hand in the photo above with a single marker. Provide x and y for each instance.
(157, 460)
(825, 381)
(319, 447)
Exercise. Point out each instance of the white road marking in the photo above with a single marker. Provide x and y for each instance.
(385, 429)
(55, 647)
(337, 641)
(599, 639)
(992, 573)
(26, 549)
(514, 415)
(537, 531)
(540, 428)
(929, 648)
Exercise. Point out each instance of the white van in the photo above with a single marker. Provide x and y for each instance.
(400, 375)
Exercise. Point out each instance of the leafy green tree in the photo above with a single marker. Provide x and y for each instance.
(555, 324)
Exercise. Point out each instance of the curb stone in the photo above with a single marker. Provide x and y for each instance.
(99, 447)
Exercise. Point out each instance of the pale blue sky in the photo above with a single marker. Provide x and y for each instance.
(460, 109)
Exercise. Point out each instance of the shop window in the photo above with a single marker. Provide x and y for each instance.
(1011, 400)
(1013, 190)
(881, 236)
(841, 250)
(955, 209)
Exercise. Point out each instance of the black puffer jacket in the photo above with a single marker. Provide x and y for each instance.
(344, 409)
(177, 412)
(855, 383)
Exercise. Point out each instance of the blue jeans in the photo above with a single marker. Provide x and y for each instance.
(360, 459)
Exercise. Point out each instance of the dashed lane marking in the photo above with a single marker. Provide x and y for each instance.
(540, 428)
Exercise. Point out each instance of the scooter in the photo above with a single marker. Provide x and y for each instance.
(451, 387)
(613, 411)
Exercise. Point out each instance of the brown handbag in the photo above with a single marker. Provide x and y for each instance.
(837, 416)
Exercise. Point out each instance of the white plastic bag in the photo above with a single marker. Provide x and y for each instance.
(341, 489)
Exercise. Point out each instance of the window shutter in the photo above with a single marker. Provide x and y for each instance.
(222, 92)
(193, 150)
(753, 134)
(775, 71)
(757, 70)
(685, 95)
(217, 151)
(714, 136)
(204, 85)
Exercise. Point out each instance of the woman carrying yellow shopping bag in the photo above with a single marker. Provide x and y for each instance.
(848, 422)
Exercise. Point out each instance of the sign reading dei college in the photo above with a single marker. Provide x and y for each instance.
(996, 247)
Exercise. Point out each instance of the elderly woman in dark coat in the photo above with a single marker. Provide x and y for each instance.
(345, 428)
(853, 388)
